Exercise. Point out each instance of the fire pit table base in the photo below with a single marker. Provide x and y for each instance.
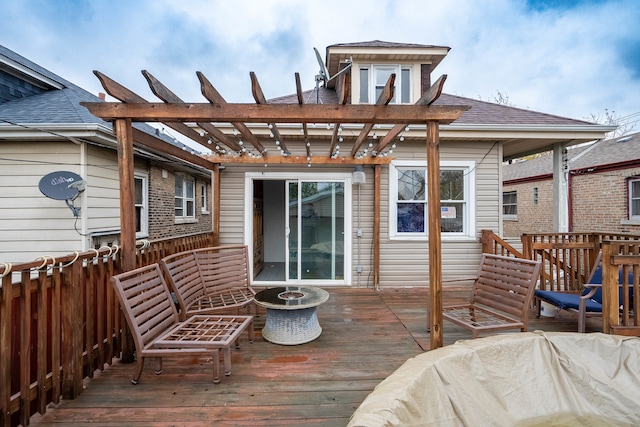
(292, 317)
(291, 327)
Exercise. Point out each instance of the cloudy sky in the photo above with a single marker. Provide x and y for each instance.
(574, 58)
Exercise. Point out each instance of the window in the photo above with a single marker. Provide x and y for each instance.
(510, 204)
(378, 76)
(408, 200)
(535, 195)
(141, 183)
(185, 198)
(204, 206)
(634, 198)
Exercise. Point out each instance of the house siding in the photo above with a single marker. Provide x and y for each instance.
(402, 262)
(32, 225)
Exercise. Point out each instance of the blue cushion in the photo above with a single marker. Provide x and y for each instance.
(567, 301)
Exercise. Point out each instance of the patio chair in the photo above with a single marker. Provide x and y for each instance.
(588, 303)
(157, 331)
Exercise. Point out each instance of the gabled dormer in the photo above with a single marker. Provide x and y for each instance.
(371, 64)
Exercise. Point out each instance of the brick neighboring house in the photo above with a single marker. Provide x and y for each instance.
(44, 129)
(603, 189)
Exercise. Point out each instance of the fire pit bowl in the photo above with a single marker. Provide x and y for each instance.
(517, 379)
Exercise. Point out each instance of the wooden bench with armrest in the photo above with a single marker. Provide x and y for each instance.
(500, 296)
(210, 280)
(153, 320)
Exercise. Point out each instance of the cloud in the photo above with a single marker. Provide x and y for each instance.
(566, 58)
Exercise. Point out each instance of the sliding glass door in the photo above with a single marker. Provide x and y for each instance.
(315, 230)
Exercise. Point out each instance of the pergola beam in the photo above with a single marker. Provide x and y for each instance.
(281, 113)
(297, 160)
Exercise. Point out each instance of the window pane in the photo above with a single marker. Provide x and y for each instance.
(364, 85)
(452, 217)
(382, 75)
(635, 207)
(190, 189)
(138, 190)
(411, 217)
(190, 206)
(635, 189)
(179, 187)
(411, 184)
(451, 185)
(138, 219)
(405, 88)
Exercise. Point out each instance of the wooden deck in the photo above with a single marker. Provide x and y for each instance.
(366, 336)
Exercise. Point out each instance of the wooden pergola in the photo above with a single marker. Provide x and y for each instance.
(180, 116)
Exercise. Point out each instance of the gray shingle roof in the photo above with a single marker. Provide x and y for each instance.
(610, 152)
(384, 44)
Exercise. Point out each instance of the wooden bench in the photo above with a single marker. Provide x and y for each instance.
(153, 320)
(500, 297)
(210, 280)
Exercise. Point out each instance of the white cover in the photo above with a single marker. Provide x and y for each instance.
(516, 379)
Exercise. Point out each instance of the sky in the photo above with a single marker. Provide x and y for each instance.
(573, 58)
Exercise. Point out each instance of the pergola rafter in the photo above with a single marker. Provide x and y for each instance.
(166, 95)
(135, 109)
(258, 95)
(213, 96)
(384, 99)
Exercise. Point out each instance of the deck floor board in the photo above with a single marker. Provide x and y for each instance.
(366, 336)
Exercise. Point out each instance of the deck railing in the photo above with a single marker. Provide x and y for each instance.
(621, 301)
(59, 323)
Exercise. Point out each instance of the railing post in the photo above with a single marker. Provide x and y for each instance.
(610, 302)
(527, 244)
(71, 351)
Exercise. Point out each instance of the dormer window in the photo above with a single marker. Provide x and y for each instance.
(374, 77)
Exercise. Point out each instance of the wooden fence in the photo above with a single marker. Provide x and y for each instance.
(621, 301)
(59, 323)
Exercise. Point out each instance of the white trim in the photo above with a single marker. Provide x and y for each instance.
(305, 176)
(470, 200)
(144, 176)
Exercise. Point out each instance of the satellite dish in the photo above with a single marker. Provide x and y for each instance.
(61, 185)
(323, 74)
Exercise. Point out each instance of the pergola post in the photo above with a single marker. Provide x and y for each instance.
(435, 253)
(124, 134)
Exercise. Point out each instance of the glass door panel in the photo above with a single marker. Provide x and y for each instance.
(316, 230)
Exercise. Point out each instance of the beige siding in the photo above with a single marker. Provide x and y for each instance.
(103, 190)
(406, 263)
(403, 263)
(32, 225)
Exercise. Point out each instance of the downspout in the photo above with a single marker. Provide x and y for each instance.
(570, 199)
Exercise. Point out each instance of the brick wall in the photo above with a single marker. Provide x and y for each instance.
(532, 218)
(162, 206)
(599, 204)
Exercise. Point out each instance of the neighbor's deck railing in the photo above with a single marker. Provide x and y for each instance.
(59, 323)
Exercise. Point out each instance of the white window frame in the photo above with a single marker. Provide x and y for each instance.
(204, 199)
(469, 221)
(144, 206)
(186, 179)
(372, 85)
(630, 198)
(510, 217)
